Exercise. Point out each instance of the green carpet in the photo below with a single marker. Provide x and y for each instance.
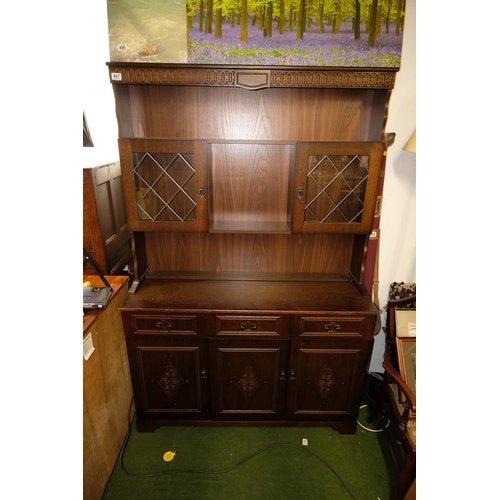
(253, 463)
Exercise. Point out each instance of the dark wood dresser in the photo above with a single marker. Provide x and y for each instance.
(250, 193)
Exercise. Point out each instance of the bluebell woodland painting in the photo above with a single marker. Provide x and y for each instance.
(340, 33)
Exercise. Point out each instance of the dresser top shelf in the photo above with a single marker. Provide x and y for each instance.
(246, 297)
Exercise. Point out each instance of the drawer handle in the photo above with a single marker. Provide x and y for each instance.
(282, 375)
(292, 375)
(332, 327)
(248, 327)
(164, 325)
(204, 373)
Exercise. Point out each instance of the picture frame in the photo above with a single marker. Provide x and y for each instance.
(406, 322)
(407, 357)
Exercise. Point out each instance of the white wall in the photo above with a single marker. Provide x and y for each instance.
(97, 91)
(397, 227)
(397, 247)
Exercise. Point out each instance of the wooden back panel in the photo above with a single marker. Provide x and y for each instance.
(249, 253)
(219, 113)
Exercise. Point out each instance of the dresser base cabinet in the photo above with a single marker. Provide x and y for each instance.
(198, 357)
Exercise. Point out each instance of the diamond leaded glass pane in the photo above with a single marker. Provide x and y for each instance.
(336, 188)
(165, 186)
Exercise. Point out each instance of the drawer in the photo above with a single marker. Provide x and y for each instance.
(164, 324)
(259, 326)
(328, 326)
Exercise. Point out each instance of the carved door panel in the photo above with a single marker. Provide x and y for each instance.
(325, 378)
(248, 379)
(170, 378)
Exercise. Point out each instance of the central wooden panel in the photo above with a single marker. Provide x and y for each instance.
(276, 253)
(247, 380)
(250, 186)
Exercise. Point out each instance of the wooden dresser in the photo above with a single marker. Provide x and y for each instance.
(107, 390)
(250, 193)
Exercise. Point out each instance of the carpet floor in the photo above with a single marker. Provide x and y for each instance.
(249, 463)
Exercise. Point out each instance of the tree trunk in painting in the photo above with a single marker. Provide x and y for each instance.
(301, 19)
(337, 17)
(388, 17)
(282, 20)
(202, 14)
(373, 24)
(244, 22)
(210, 10)
(268, 26)
(399, 16)
(218, 21)
(319, 18)
(357, 22)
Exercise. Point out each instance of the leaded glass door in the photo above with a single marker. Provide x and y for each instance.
(164, 184)
(336, 187)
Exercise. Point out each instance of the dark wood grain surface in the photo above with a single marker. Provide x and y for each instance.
(280, 297)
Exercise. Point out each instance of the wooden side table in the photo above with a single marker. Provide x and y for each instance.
(107, 390)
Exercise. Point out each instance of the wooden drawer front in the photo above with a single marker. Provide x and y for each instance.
(164, 324)
(260, 326)
(328, 326)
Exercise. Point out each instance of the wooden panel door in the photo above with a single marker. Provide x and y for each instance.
(106, 236)
(325, 379)
(248, 379)
(169, 377)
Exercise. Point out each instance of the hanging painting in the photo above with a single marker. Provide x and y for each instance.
(341, 33)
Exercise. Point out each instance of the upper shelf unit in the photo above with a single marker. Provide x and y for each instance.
(250, 103)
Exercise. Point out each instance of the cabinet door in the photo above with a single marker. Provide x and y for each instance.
(336, 186)
(325, 379)
(169, 377)
(248, 379)
(106, 236)
(164, 184)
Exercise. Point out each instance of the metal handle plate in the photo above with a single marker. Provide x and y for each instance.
(332, 327)
(248, 327)
(164, 325)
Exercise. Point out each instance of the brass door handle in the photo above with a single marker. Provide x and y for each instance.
(332, 327)
(164, 325)
(248, 327)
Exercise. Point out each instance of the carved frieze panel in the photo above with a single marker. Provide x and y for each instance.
(252, 79)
